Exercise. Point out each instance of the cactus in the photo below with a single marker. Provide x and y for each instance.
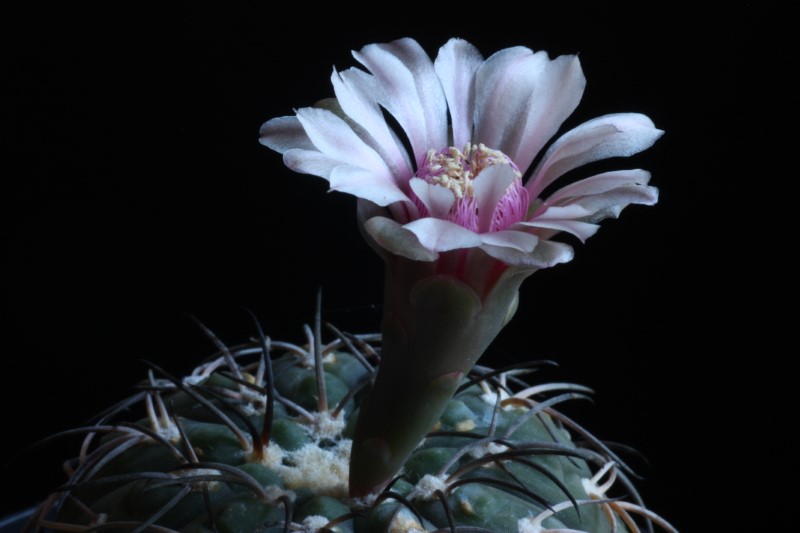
(398, 432)
(258, 438)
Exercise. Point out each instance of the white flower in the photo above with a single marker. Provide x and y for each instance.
(473, 128)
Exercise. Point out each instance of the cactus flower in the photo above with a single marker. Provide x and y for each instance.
(455, 196)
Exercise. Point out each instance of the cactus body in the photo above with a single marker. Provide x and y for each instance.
(258, 438)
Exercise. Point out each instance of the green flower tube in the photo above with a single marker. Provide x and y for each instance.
(435, 327)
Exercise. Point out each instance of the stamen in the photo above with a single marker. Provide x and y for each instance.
(456, 170)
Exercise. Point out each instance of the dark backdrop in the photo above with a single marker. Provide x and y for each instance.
(136, 192)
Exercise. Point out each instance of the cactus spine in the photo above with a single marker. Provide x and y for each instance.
(258, 438)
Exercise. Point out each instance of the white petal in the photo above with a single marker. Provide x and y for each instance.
(601, 183)
(550, 253)
(616, 135)
(441, 235)
(358, 95)
(456, 65)
(365, 184)
(611, 203)
(504, 85)
(437, 199)
(412, 91)
(345, 178)
(510, 256)
(567, 218)
(546, 254)
(284, 133)
(607, 194)
(489, 186)
(310, 162)
(518, 240)
(393, 238)
(582, 230)
(558, 91)
(335, 138)
(562, 212)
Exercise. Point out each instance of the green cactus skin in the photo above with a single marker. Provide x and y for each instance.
(253, 442)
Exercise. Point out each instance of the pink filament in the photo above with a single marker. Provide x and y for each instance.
(510, 208)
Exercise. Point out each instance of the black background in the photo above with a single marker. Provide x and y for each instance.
(136, 192)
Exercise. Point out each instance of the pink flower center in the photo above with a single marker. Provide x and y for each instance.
(456, 171)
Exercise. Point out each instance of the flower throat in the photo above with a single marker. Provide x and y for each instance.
(456, 170)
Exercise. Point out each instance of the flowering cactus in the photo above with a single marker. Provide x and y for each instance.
(456, 223)
(400, 432)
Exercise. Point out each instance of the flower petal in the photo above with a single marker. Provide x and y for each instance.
(441, 235)
(504, 84)
(518, 240)
(335, 138)
(617, 135)
(391, 237)
(550, 253)
(284, 133)
(599, 184)
(488, 187)
(456, 65)
(365, 184)
(437, 199)
(568, 218)
(571, 212)
(412, 92)
(358, 94)
(582, 230)
(607, 194)
(558, 91)
(310, 162)
(610, 204)
(546, 254)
